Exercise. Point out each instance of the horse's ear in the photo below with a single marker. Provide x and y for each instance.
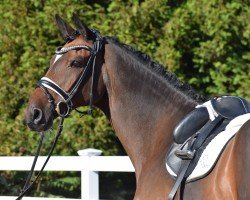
(65, 29)
(82, 28)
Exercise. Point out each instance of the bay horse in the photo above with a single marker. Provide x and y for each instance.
(143, 102)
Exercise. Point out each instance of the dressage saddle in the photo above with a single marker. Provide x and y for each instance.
(228, 107)
(191, 133)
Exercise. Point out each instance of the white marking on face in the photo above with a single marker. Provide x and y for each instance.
(57, 57)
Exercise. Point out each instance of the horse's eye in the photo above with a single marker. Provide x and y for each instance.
(75, 63)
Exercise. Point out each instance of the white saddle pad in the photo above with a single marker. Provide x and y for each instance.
(213, 150)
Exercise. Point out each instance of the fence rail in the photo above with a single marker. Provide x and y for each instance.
(89, 162)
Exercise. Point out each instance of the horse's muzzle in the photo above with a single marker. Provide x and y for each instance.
(37, 120)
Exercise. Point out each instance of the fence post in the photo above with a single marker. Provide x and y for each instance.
(89, 179)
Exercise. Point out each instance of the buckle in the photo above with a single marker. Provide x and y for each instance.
(62, 109)
(185, 154)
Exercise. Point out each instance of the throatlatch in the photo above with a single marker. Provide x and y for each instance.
(64, 107)
(89, 71)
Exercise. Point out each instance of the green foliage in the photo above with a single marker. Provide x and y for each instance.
(206, 43)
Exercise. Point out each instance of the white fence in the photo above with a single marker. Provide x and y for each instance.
(89, 162)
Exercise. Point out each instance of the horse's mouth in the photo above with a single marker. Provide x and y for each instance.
(40, 127)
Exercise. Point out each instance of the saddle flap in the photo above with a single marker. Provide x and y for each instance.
(190, 124)
(230, 106)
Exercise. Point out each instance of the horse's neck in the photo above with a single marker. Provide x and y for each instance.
(142, 114)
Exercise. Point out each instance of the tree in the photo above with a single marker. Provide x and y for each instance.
(206, 43)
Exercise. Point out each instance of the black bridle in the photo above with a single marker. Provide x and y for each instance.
(46, 84)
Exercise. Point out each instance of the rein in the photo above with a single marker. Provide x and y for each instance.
(29, 184)
(45, 84)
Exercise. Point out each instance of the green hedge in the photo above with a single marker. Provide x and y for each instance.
(206, 43)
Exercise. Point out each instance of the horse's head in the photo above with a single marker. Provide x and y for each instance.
(73, 78)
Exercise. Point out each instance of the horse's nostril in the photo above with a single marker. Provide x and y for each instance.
(37, 115)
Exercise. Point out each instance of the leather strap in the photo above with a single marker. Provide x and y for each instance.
(204, 133)
(179, 179)
(28, 185)
(84, 76)
(51, 85)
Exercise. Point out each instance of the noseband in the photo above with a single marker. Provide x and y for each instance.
(45, 83)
